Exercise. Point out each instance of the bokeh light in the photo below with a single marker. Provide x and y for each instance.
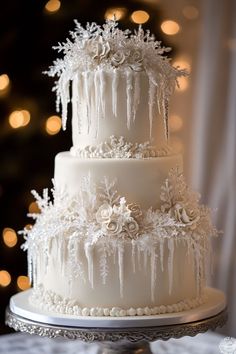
(177, 145)
(9, 237)
(170, 27)
(33, 208)
(52, 6)
(140, 17)
(19, 118)
(4, 82)
(118, 12)
(175, 123)
(183, 63)
(53, 125)
(183, 84)
(5, 278)
(23, 282)
(190, 12)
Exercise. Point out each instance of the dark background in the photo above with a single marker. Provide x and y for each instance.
(27, 34)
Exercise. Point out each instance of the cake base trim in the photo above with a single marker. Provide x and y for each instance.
(52, 302)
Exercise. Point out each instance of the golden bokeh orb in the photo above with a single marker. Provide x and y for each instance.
(53, 125)
(140, 17)
(4, 82)
(115, 13)
(19, 118)
(23, 282)
(170, 27)
(5, 278)
(52, 6)
(9, 237)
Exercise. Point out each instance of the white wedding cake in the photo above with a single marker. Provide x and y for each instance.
(122, 235)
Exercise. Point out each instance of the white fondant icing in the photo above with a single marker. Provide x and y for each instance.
(52, 302)
(99, 219)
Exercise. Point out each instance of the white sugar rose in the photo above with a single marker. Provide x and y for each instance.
(136, 60)
(132, 228)
(104, 213)
(185, 216)
(118, 58)
(97, 48)
(114, 227)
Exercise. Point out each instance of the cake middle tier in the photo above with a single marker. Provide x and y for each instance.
(138, 180)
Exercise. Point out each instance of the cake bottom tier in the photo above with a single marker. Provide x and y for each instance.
(118, 279)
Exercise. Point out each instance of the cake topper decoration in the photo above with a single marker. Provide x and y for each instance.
(108, 48)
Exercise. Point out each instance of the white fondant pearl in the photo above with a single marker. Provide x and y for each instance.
(162, 309)
(140, 311)
(147, 311)
(169, 309)
(123, 313)
(131, 312)
(85, 311)
(106, 312)
(93, 312)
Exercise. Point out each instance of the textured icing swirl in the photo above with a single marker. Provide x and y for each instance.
(118, 147)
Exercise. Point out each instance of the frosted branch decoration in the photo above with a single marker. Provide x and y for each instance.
(108, 48)
(100, 216)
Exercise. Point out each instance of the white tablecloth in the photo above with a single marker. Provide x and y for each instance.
(20, 343)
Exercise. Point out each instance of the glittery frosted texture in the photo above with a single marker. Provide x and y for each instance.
(99, 217)
(107, 48)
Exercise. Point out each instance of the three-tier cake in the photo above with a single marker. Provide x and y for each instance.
(123, 235)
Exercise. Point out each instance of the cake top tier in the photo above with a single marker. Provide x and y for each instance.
(97, 53)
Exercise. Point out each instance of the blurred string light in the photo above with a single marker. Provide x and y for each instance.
(183, 63)
(140, 17)
(9, 237)
(23, 282)
(19, 118)
(53, 125)
(170, 27)
(4, 83)
(5, 278)
(33, 208)
(117, 12)
(177, 145)
(52, 6)
(175, 123)
(190, 12)
(183, 84)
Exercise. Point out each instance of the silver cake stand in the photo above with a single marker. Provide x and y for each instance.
(118, 335)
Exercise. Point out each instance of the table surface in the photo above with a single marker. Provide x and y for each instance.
(19, 343)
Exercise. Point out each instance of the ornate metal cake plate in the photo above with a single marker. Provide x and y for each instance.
(118, 335)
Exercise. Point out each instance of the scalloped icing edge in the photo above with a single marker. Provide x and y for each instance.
(52, 302)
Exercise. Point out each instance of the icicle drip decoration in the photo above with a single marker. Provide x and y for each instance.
(129, 87)
(152, 95)
(115, 82)
(108, 48)
(136, 93)
(153, 261)
(99, 217)
(170, 263)
(166, 118)
(121, 268)
(89, 255)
